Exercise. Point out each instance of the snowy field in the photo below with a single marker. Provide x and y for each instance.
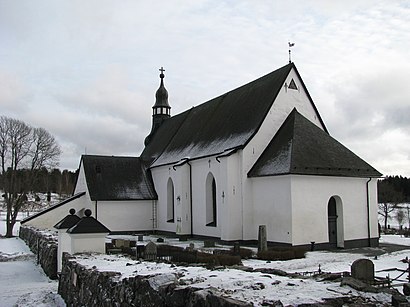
(23, 283)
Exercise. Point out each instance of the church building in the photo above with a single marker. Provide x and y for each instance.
(259, 154)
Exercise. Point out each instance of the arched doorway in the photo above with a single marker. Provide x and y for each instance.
(335, 222)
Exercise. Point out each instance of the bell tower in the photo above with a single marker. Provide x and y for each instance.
(161, 109)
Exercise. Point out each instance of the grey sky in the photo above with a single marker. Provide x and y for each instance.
(87, 71)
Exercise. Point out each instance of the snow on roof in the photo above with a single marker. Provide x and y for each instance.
(224, 122)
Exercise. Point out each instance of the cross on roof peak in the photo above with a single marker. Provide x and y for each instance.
(162, 72)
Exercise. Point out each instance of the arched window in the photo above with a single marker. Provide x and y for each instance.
(211, 201)
(170, 201)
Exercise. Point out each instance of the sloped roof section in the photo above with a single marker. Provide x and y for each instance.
(226, 122)
(118, 178)
(300, 147)
(65, 201)
(88, 224)
(67, 222)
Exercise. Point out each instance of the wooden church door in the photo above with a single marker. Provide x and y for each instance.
(332, 222)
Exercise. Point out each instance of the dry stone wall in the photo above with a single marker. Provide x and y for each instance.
(44, 245)
(80, 286)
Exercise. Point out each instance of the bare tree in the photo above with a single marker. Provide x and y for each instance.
(22, 146)
(400, 216)
(388, 199)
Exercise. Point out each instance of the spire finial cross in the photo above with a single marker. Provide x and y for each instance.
(290, 46)
(162, 72)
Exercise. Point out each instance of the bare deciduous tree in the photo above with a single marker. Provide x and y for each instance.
(22, 147)
(388, 199)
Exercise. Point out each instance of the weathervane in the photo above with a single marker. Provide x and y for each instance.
(290, 46)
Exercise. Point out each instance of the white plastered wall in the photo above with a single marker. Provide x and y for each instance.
(81, 243)
(124, 215)
(285, 102)
(81, 184)
(272, 207)
(182, 214)
(310, 197)
(226, 172)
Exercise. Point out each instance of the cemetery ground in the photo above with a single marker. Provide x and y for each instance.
(23, 283)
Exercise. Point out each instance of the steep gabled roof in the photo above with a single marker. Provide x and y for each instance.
(117, 178)
(300, 147)
(225, 122)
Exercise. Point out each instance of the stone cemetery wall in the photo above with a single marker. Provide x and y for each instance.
(80, 286)
(44, 245)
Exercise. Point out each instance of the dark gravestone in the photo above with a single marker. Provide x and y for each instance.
(140, 238)
(191, 247)
(262, 239)
(363, 269)
(150, 252)
(209, 243)
(236, 248)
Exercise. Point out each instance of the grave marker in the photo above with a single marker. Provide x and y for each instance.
(150, 252)
(363, 269)
(262, 239)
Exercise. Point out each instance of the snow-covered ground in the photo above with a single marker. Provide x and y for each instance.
(258, 287)
(23, 283)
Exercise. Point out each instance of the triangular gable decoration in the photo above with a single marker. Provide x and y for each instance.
(292, 85)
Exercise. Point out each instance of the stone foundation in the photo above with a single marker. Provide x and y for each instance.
(44, 245)
(80, 286)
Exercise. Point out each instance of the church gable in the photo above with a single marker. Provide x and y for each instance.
(117, 178)
(300, 147)
(223, 123)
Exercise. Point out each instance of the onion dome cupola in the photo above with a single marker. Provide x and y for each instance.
(161, 109)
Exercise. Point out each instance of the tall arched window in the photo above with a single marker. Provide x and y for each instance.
(211, 208)
(170, 201)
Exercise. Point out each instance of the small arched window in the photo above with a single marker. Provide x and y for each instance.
(170, 201)
(211, 208)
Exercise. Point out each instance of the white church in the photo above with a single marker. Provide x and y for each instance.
(257, 155)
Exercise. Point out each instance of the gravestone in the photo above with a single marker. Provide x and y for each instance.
(191, 247)
(262, 239)
(236, 248)
(209, 243)
(119, 243)
(363, 269)
(150, 252)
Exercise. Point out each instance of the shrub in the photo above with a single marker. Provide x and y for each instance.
(282, 254)
(228, 260)
(245, 253)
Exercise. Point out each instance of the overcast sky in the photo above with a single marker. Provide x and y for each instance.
(87, 71)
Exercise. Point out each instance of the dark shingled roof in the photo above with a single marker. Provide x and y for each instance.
(88, 224)
(78, 195)
(225, 122)
(300, 147)
(117, 178)
(67, 222)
